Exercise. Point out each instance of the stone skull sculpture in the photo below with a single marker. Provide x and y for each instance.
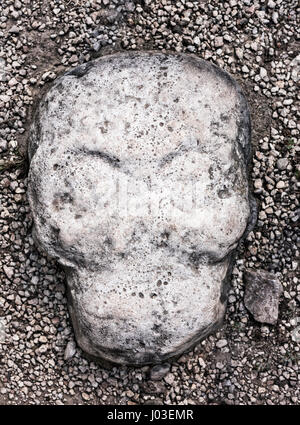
(138, 187)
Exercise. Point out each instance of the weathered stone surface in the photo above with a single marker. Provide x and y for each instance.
(138, 187)
(262, 295)
(70, 350)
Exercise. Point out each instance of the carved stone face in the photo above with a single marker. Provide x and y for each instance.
(138, 187)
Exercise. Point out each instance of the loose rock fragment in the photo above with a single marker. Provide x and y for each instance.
(282, 163)
(159, 371)
(262, 295)
(2, 331)
(14, 29)
(70, 350)
(9, 271)
(221, 343)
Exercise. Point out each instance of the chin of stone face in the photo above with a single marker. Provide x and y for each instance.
(138, 186)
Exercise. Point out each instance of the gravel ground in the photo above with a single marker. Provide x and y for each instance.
(245, 362)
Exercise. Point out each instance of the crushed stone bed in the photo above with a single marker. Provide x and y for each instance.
(245, 362)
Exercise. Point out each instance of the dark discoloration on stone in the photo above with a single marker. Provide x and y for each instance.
(111, 159)
(81, 70)
(227, 280)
